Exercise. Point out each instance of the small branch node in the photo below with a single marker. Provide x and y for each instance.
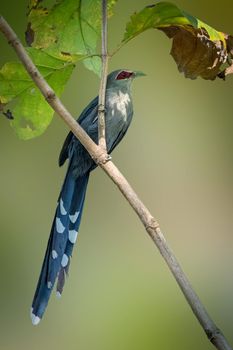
(50, 96)
(212, 335)
(14, 41)
(35, 74)
(153, 225)
(101, 108)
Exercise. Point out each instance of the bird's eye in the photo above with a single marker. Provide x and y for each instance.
(124, 75)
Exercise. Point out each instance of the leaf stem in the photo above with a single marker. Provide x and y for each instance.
(100, 156)
(118, 48)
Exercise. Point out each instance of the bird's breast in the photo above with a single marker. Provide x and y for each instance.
(119, 105)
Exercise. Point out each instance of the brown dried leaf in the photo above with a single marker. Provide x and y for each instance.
(194, 53)
(198, 49)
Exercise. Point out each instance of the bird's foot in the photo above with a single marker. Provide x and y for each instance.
(103, 159)
(108, 158)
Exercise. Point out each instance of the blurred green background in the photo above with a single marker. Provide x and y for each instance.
(178, 157)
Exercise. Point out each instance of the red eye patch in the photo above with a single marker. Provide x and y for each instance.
(124, 75)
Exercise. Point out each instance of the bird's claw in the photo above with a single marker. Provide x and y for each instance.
(108, 158)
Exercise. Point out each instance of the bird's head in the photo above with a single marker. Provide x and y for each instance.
(122, 78)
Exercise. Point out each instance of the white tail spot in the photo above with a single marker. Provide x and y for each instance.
(35, 319)
(74, 217)
(54, 254)
(49, 284)
(64, 260)
(58, 294)
(59, 226)
(62, 208)
(73, 236)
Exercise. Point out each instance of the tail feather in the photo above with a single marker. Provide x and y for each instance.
(73, 226)
(61, 241)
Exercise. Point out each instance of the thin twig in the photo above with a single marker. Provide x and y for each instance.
(150, 224)
(103, 82)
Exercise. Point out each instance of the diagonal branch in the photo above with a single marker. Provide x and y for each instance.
(103, 82)
(100, 156)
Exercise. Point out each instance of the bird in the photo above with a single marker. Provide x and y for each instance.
(67, 218)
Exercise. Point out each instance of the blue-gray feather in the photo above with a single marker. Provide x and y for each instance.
(118, 116)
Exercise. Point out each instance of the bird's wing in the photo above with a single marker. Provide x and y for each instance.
(64, 154)
(87, 112)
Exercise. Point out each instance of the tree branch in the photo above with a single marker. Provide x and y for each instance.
(99, 155)
(103, 82)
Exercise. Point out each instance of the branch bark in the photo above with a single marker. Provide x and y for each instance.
(100, 156)
(103, 81)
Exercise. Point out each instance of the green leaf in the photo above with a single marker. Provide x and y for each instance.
(198, 49)
(30, 111)
(165, 14)
(69, 30)
(58, 37)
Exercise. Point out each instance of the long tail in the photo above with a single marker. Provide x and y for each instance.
(63, 235)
